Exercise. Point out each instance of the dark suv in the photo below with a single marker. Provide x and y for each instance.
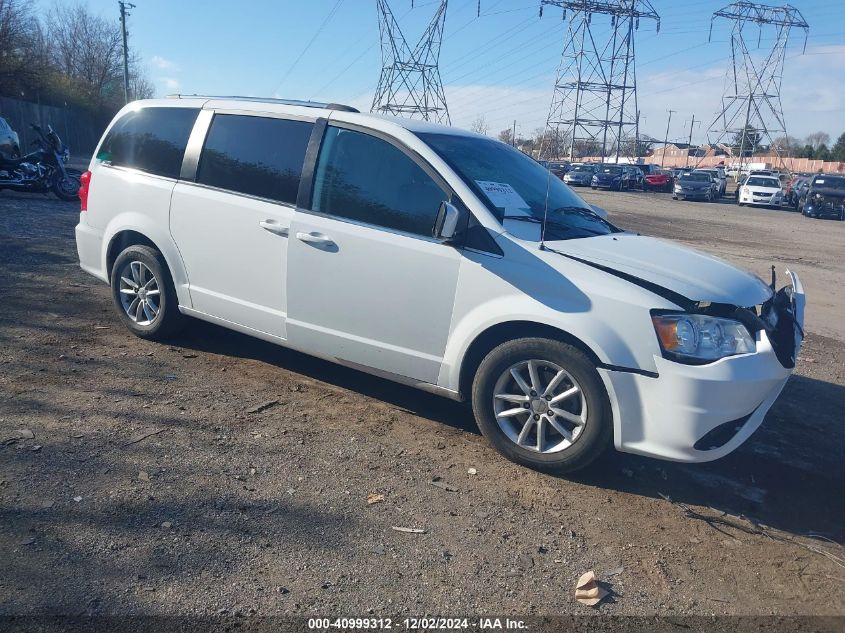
(825, 197)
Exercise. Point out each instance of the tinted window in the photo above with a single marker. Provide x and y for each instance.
(150, 139)
(259, 156)
(364, 178)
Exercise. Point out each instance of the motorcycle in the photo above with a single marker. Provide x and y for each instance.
(42, 170)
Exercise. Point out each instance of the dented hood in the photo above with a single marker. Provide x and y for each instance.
(694, 275)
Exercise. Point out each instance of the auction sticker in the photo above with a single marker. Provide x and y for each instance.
(503, 196)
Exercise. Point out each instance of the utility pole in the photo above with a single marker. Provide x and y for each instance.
(666, 138)
(691, 125)
(513, 134)
(123, 13)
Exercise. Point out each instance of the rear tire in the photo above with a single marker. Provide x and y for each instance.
(584, 414)
(144, 295)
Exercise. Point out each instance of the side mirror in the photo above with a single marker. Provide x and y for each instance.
(446, 224)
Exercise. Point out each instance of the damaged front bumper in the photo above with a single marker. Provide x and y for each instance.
(698, 413)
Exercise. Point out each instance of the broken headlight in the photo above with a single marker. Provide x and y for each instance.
(698, 338)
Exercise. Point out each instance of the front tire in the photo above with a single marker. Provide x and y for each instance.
(144, 295)
(67, 188)
(541, 403)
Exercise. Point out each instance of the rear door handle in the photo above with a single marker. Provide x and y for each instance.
(274, 227)
(314, 238)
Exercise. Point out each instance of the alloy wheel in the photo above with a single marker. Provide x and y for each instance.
(140, 293)
(539, 406)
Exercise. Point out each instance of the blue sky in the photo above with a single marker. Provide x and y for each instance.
(501, 64)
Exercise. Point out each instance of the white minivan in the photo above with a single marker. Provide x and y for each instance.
(437, 258)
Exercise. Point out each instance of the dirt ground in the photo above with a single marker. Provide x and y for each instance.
(151, 487)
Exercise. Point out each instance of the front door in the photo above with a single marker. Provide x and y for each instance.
(231, 225)
(367, 284)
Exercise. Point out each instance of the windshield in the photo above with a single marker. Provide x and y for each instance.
(514, 186)
(832, 182)
(696, 177)
(611, 169)
(762, 181)
(583, 168)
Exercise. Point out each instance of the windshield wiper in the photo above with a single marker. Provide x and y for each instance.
(552, 224)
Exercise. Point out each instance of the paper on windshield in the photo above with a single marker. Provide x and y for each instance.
(503, 196)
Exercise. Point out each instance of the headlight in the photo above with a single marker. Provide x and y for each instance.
(701, 338)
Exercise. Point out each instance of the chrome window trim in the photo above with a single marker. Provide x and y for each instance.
(200, 185)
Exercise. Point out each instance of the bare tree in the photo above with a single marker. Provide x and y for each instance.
(88, 49)
(817, 139)
(20, 66)
(479, 125)
(786, 145)
(506, 136)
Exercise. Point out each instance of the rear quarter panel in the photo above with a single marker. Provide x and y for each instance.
(127, 200)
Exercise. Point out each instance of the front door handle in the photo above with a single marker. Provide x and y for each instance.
(274, 227)
(317, 239)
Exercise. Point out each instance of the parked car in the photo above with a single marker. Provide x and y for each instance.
(559, 168)
(761, 191)
(659, 181)
(720, 178)
(739, 184)
(695, 185)
(792, 190)
(825, 197)
(10, 144)
(580, 174)
(435, 258)
(799, 192)
(611, 177)
(635, 176)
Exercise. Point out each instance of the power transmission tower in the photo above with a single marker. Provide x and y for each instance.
(595, 95)
(751, 107)
(410, 82)
(123, 14)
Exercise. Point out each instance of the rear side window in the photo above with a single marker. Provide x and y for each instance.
(258, 156)
(364, 178)
(150, 139)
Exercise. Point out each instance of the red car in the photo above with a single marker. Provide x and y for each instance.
(659, 181)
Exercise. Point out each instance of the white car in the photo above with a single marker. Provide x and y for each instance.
(437, 258)
(761, 191)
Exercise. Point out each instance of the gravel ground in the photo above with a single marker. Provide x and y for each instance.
(152, 484)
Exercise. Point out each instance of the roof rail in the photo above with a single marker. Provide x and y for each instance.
(293, 102)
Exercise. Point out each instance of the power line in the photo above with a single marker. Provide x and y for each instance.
(314, 37)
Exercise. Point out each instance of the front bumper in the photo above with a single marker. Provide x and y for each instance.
(690, 194)
(763, 201)
(606, 184)
(669, 416)
(581, 182)
(824, 210)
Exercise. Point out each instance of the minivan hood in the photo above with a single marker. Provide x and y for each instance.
(694, 275)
